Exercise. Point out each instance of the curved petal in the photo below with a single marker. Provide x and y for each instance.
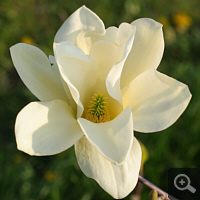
(65, 86)
(113, 78)
(46, 128)
(117, 180)
(114, 138)
(78, 70)
(147, 51)
(34, 68)
(156, 100)
(82, 20)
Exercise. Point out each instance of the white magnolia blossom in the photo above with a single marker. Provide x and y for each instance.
(101, 85)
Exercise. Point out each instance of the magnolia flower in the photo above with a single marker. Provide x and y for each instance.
(101, 85)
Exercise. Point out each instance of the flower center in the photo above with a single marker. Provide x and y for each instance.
(97, 109)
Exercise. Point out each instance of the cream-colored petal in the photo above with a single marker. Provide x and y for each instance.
(46, 128)
(106, 54)
(35, 70)
(82, 20)
(110, 50)
(111, 34)
(156, 100)
(114, 138)
(113, 78)
(117, 180)
(147, 50)
(65, 86)
(78, 70)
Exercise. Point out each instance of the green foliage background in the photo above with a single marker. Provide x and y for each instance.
(59, 177)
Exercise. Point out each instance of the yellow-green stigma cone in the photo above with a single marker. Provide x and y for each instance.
(97, 110)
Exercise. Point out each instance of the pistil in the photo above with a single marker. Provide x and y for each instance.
(97, 110)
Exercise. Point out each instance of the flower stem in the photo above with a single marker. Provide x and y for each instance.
(154, 187)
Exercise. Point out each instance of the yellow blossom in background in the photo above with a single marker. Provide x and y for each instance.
(27, 40)
(50, 176)
(182, 21)
(164, 21)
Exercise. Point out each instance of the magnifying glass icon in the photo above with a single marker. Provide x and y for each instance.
(182, 182)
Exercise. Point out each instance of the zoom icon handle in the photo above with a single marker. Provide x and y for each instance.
(182, 182)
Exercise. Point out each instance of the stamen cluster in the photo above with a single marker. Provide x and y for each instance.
(97, 111)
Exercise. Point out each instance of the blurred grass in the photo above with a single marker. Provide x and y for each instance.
(59, 177)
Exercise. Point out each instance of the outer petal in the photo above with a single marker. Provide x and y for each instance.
(114, 138)
(46, 128)
(81, 23)
(117, 180)
(113, 78)
(147, 51)
(156, 100)
(78, 70)
(70, 101)
(34, 68)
